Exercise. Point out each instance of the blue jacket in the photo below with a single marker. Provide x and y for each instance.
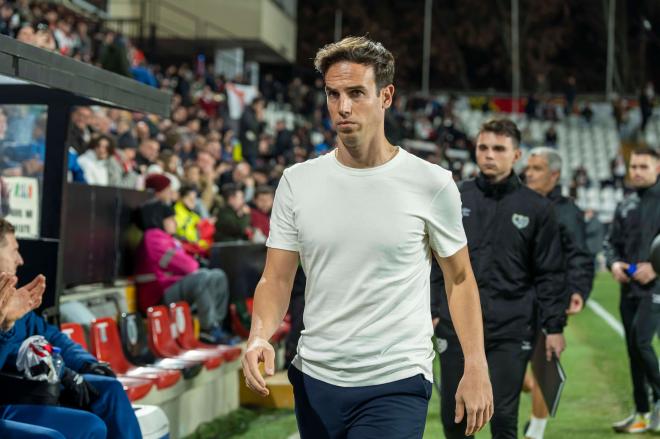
(31, 324)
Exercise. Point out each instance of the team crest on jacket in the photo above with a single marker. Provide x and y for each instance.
(520, 221)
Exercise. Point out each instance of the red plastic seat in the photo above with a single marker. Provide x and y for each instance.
(135, 388)
(182, 317)
(240, 330)
(162, 340)
(106, 346)
(75, 332)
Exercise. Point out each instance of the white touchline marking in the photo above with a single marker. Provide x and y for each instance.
(611, 321)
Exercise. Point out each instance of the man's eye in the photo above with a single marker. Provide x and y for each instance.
(356, 93)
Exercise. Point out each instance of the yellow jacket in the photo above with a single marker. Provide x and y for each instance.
(186, 224)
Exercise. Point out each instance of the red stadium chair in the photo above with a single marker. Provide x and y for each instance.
(135, 388)
(106, 346)
(181, 316)
(75, 332)
(162, 340)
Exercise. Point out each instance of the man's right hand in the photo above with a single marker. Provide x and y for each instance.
(7, 291)
(619, 272)
(19, 301)
(258, 351)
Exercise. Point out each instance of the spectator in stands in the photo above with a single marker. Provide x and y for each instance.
(113, 55)
(636, 223)
(10, 21)
(570, 92)
(147, 154)
(43, 36)
(163, 195)
(551, 136)
(260, 213)
(241, 174)
(97, 165)
(188, 220)
(87, 383)
(26, 33)
(646, 101)
(233, 219)
(165, 273)
(252, 124)
(66, 42)
(80, 132)
(84, 42)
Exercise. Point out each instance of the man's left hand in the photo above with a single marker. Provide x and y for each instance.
(576, 305)
(474, 398)
(100, 368)
(644, 273)
(554, 344)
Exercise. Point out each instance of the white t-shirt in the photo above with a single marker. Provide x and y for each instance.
(365, 238)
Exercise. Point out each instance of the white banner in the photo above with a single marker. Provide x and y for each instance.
(238, 96)
(24, 206)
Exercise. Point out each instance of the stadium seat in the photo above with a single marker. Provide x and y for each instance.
(75, 332)
(162, 340)
(106, 346)
(136, 348)
(181, 315)
(135, 388)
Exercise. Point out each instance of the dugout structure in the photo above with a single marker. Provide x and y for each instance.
(75, 235)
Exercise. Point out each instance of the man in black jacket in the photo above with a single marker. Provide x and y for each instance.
(252, 123)
(627, 246)
(515, 249)
(542, 175)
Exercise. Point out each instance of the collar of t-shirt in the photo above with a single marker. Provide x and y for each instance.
(388, 165)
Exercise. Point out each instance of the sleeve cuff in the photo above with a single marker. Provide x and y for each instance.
(283, 246)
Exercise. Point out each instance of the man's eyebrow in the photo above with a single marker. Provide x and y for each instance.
(348, 88)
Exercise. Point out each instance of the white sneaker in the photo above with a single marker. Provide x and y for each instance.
(635, 423)
(654, 422)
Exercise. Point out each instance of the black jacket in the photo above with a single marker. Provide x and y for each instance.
(579, 261)
(636, 223)
(517, 258)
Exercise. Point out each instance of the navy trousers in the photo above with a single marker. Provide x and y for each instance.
(24, 421)
(395, 410)
(116, 414)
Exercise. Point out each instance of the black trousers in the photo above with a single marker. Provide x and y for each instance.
(507, 362)
(641, 318)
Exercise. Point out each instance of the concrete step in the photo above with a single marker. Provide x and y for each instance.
(281, 392)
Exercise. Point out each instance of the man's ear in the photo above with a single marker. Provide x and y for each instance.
(387, 96)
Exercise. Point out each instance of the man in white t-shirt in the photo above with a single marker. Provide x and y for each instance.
(365, 221)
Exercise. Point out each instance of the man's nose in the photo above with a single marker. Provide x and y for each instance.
(344, 106)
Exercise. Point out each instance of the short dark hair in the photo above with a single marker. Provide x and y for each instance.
(360, 50)
(186, 189)
(6, 228)
(502, 127)
(262, 190)
(96, 141)
(646, 150)
(230, 189)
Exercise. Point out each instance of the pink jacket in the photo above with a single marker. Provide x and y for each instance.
(161, 262)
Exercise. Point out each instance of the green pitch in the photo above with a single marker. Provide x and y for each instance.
(597, 392)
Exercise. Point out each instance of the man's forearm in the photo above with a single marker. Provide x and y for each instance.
(271, 300)
(465, 309)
